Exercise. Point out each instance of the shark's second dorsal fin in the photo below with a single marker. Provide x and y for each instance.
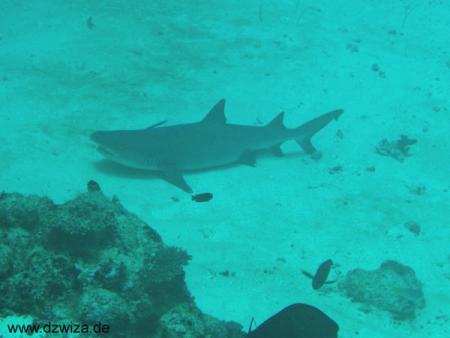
(277, 121)
(217, 113)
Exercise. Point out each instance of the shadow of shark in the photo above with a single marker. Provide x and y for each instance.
(210, 143)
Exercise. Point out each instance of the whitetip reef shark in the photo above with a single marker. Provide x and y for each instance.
(211, 142)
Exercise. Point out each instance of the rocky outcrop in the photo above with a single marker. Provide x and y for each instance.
(393, 287)
(89, 260)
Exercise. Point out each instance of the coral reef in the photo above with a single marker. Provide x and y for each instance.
(89, 260)
(398, 149)
(186, 320)
(393, 287)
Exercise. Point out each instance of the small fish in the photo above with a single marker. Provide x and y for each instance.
(321, 276)
(203, 197)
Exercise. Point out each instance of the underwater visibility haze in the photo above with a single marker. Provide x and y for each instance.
(135, 203)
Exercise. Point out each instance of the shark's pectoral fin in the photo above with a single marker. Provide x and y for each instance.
(248, 158)
(276, 150)
(175, 177)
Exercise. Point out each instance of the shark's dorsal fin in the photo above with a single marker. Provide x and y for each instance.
(277, 121)
(216, 114)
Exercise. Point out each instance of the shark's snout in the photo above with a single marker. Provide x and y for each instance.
(100, 139)
(96, 137)
(112, 145)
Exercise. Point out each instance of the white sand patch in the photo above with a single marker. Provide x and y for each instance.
(60, 80)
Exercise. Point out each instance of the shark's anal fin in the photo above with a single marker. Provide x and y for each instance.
(248, 158)
(173, 175)
(216, 114)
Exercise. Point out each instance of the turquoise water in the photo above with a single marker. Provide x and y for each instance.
(69, 69)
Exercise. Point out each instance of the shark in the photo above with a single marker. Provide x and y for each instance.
(209, 143)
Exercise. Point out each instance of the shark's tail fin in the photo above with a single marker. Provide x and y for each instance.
(309, 129)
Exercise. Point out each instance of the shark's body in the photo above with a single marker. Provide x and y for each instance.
(209, 143)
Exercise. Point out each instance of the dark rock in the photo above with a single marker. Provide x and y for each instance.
(185, 320)
(413, 227)
(167, 264)
(93, 186)
(5, 261)
(393, 287)
(398, 149)
(21, 211)
(82, 225)
(90, 260)
(98, 304)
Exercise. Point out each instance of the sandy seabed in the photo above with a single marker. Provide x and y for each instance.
(68, 69)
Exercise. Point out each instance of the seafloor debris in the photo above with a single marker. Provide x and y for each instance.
(335, 170)
(90, 23)
(414, 227)
(393, 287)
(89, 260)
(376, 68)
(398, 149)
(417, 190)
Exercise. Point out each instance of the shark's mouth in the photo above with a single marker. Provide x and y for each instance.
(105, 152)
